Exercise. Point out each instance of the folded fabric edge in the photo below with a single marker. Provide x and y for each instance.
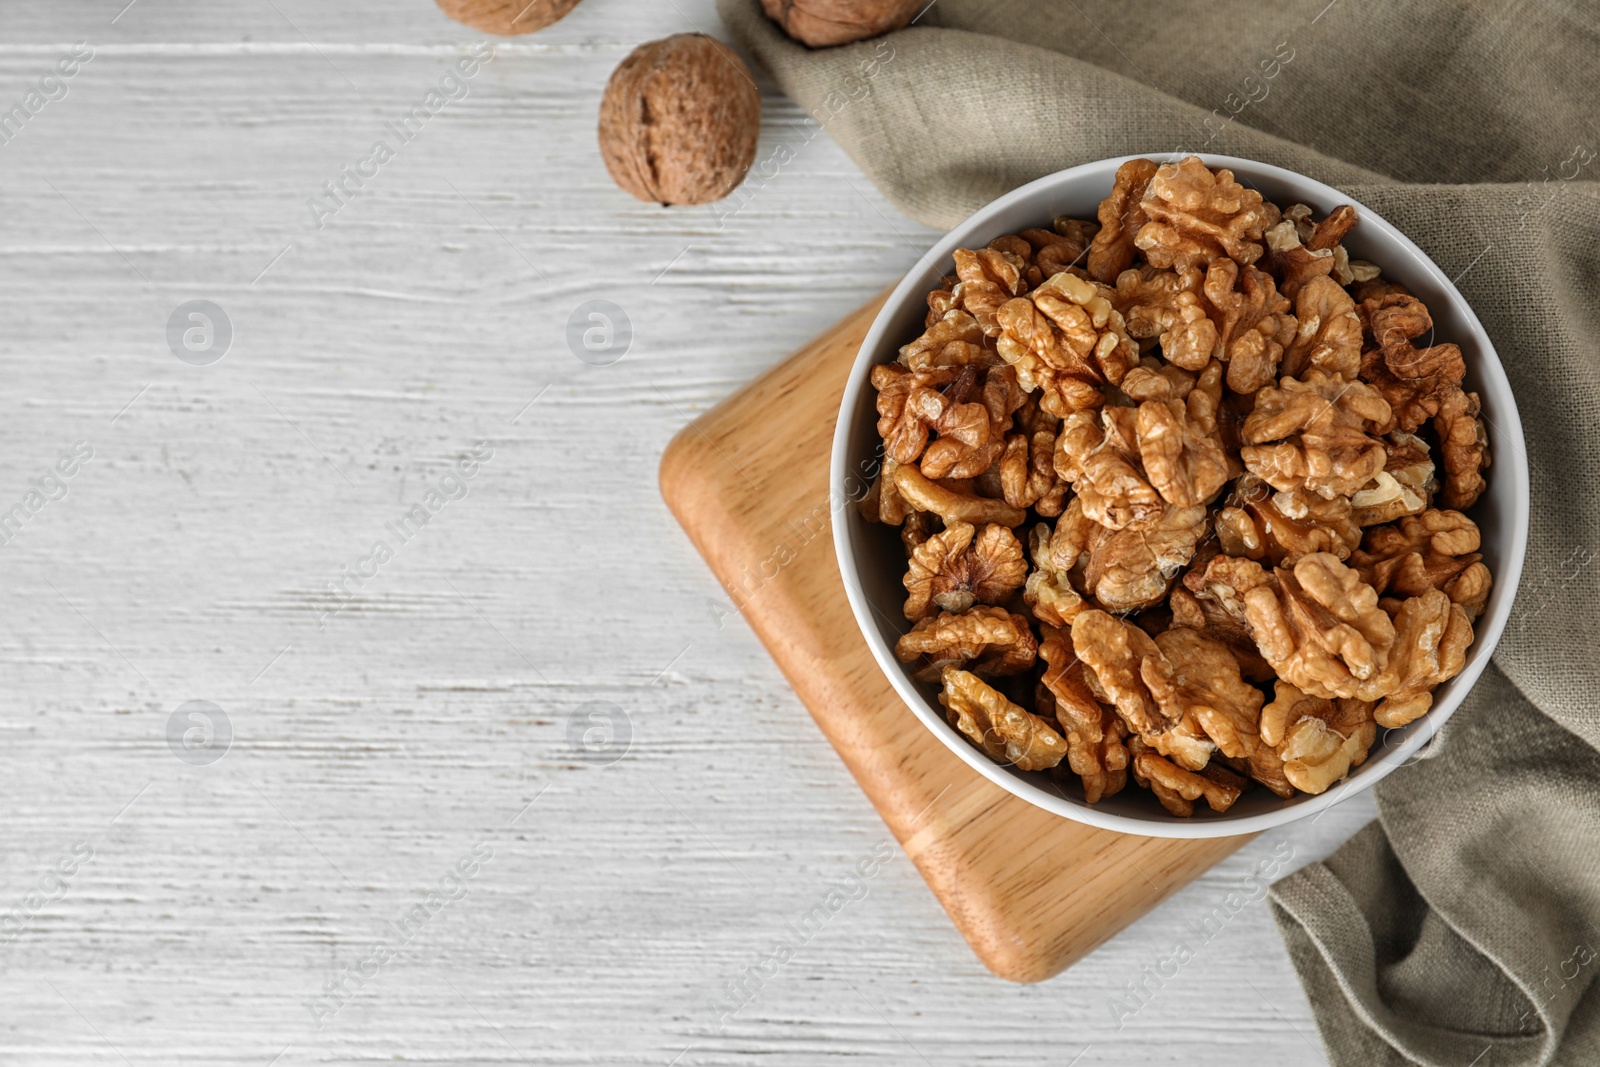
(804, 74)
(1330, 944)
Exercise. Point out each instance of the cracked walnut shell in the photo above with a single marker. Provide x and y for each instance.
(679, 121)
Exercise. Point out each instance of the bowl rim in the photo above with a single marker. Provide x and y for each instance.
(1508, 449)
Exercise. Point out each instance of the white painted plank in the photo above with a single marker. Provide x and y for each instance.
(190, 558)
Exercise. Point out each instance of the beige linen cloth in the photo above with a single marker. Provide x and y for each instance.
(1463, 926)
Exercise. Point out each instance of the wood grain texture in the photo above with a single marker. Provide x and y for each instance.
(1030, 891)
(190, 560)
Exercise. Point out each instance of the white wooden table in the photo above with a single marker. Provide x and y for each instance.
(434, 712)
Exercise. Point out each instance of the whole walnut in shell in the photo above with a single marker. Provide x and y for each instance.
(679, 121)
(507, 17)
(821, 23)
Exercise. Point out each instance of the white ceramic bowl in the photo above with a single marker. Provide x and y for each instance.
(872, 561)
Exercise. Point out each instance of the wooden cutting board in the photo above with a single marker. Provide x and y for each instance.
(1030, 891)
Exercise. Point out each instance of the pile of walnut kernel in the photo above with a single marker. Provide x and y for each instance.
(1181, 496)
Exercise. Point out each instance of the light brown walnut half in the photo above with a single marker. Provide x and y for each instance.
(952, 340)
(1179, 446)
(1405, 486)
(1184, 743)
(988, 278)
(1049, 590)
(1177, 788)
(1121, 218)
(883, 502)
(1101, 763)
(1323, 630)
(1414, 381)
(1134, 567)
(1463, 448)
(1168, 305)
(1315, 434)
(1115, 650)
(1198, 676)
(912, 404)
(1314, 742)
(1028, 475)
(1318, 623)
(962, 566)
(1391, 316)
(1299, 250)
(987, 640)
(1066, 340)
(1266, 767)
(1045, 253)
(1117, 656)
(1331, 231)
(1279, 527)
(1433, 550)
(1155, 379)
(1197, 216)
(1211, 619)
(1430, 647)
(1098, 454)
(971, 435)
(1327, 334)
(1004, 732)
(941, 301)
(1096, 751)
(924, 494)
(1288, 260)
(1252, 320)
